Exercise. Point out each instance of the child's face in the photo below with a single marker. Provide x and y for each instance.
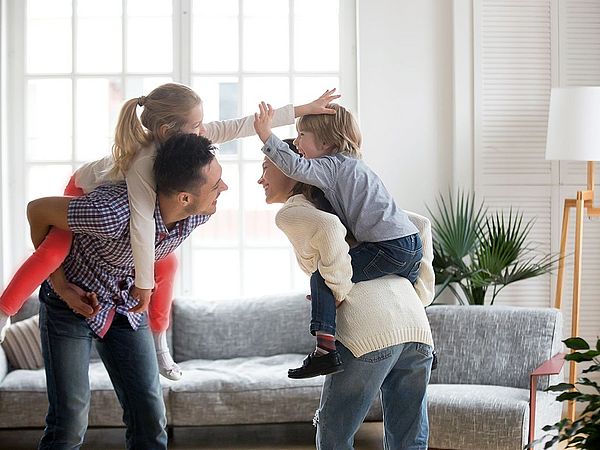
(194, 123)
(309, 147)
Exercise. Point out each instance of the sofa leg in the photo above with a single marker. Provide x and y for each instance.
(170, 432)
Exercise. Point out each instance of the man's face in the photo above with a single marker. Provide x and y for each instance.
(204, 200)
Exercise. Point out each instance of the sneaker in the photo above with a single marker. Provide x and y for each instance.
(313, 366)
(172, 373)
(167, 367)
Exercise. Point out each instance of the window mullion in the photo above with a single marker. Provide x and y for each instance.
(16, 131)
(182, 53)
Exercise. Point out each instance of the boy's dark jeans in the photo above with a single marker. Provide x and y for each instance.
(370, 260)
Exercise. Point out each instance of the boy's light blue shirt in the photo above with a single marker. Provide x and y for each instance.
(355, 192)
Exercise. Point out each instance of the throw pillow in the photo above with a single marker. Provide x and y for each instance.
(22, 344)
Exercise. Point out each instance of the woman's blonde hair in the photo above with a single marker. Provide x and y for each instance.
(339, 130)
(165, 111)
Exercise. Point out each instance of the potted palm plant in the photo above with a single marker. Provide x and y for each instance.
(476, 253)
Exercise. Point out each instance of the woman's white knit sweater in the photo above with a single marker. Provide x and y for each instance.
(374, 314)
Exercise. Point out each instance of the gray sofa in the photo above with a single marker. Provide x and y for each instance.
(235, 373)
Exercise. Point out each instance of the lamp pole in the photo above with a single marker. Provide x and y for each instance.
(583, 201)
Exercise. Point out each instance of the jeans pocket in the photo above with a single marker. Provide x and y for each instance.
(424, 349)
(376, 356)
(383, 264)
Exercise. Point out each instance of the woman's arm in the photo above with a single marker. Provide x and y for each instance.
(319, 241)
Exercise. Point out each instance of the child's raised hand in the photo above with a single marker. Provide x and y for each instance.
(263, 120)
(318, 106)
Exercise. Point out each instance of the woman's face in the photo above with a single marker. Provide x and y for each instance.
(276, 185)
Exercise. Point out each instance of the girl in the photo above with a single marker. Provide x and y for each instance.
(329, 148)
(167, 110)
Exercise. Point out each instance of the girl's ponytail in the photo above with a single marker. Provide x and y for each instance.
(130, 136)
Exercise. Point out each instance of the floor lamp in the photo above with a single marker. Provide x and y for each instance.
(574, 135)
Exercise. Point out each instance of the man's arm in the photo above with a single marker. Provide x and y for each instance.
(44, 213)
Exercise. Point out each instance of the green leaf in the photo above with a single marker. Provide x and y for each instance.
(579, 357)
(576, 343)
(568, 396)
(560, 387)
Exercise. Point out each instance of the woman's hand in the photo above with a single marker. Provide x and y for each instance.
(263, 120)
(318, 106)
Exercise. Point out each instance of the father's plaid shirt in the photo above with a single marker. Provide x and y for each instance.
(101, 261)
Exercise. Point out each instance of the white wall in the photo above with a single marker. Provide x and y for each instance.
(405, 96)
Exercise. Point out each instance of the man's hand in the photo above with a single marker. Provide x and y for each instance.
(81, 302)
(318, 106)
(263, 120)
(143, 297)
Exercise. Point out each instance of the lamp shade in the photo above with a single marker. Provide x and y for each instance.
(574, 124)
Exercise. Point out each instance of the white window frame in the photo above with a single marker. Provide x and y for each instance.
(14, 104)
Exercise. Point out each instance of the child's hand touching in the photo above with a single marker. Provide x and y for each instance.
(263, 120)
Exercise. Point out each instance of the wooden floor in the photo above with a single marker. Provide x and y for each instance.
(250, 437)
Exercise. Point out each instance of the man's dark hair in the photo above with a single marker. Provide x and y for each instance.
(179, 163)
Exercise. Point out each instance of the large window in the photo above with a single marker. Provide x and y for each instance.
(72, 63)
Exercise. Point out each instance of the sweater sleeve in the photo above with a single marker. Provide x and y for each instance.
(223, 131)
(319, 241)
(320, 172)
(425, 284)
(141, 189)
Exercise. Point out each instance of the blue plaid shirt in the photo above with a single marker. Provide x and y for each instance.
(101, 260)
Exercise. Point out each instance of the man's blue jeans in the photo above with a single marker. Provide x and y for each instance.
(370, 260)
(400, 374)
(130, 360)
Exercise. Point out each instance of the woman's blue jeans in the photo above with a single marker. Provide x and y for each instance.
(370, 260)
(130, 360)
(400, 375)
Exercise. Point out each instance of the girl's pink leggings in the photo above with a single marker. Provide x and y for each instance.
(51, 253)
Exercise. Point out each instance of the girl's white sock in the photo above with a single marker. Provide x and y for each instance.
(160, 342)
(4, 324)
(167, 367)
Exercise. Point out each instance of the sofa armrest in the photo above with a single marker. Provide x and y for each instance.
(3, 364)
(551, 366)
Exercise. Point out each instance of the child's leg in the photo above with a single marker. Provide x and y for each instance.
(159, 312)
(46, 259)
(325, 359)
(400, 256)
(323, 308)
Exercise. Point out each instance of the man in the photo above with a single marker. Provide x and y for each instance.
(188, 179)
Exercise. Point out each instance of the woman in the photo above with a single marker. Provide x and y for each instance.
(383, 334)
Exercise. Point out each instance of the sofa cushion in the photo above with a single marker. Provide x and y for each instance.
(28, 387)
(495, 345)
(243, 391)
(22, 344)
(474, 417)
(237, 328)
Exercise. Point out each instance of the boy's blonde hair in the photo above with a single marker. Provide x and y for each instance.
(165, 111)
(339, 130)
